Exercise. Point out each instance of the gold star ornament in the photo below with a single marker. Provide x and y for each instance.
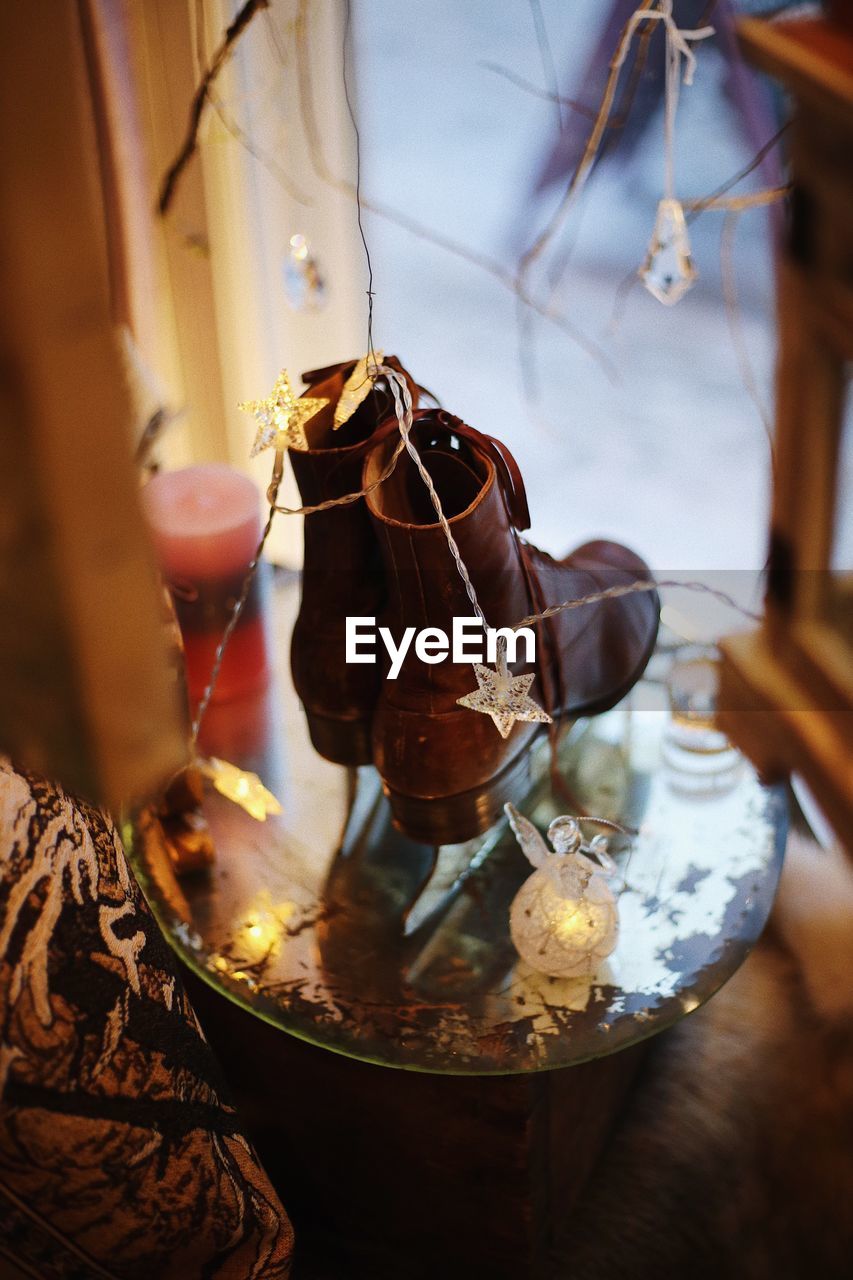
(281, 417)
(503, 696)
(244, 788)
(357, 387)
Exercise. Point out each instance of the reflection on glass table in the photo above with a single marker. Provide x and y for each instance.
(329, 923)
(698, 757)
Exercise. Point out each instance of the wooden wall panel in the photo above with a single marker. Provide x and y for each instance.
(85, 692)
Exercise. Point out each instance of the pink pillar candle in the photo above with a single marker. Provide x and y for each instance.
(205, 522)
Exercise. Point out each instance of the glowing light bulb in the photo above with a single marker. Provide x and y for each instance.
(240, 786)
(260, 933)
(564, 919)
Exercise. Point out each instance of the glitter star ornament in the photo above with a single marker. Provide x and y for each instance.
(503, 696)
(357, 387)
(564, 920)
(244, 788)
(281, 417)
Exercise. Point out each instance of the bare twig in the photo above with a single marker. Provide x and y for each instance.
(557, 220)
(616, 121)
(545, 94)
(626, 102)
(263, 158)
(190, 143)
(491, 266)
(739, 204)
(557, 269)
(547, 57)
(590, 151)
(698, 206)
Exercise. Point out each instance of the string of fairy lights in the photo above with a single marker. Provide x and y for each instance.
(281, 416)
(564, 919)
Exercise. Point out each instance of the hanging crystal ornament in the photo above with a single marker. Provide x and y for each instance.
(668, 270)
(503, 696)
(304, 285)
(357, 387)
(564, 920)
(281, 417)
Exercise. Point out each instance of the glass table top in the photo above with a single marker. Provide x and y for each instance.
(330, 924)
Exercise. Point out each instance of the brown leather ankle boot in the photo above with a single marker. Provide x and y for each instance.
(446, 769)
(342, 570)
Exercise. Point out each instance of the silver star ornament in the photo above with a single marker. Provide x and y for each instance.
(504, 697)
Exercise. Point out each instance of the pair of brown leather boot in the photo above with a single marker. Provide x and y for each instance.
(446, 769)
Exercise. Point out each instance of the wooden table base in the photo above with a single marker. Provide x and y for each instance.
(389, 1174)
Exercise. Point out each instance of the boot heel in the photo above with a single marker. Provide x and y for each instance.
(454, 819)
(341, 741)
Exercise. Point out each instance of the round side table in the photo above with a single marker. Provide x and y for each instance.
(328, 925)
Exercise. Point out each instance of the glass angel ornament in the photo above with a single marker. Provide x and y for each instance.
(564, 919)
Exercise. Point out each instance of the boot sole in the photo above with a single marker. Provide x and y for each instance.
(454, 819)
(345, 742)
